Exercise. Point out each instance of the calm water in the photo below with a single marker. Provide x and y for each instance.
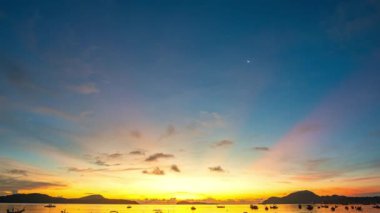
(76, 208)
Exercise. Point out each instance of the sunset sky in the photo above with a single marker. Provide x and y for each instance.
(189, 99)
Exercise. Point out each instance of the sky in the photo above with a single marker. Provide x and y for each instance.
(197, 100)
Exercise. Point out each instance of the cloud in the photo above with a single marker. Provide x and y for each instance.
(19, 78)
(17, 172)
(216, 169)
(115, 155)
(90, 170)
(307, 127)
(105, 159)
(75, 169)
(316, 163)
(157, 156)
(137, 152)
(223, 143)
(207, 120)
(316, 176)
(170, 131)
(135, 134)
(15, 184)
(155, 171)
(55, 113)
(175, 168)
(101, 163)
(261, 148)
(86, 88)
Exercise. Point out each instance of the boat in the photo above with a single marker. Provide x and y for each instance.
(64, 211)
(253, 207)
(113, 211)
(274, 207)
(157, 210)
(266, 208)
(128, 207)
(376, 206)
(299, 206)
(333, 209)
(309, 207)
(220, 207)
(193, 208)
(13, 210)
(359, 208)
(50, 205)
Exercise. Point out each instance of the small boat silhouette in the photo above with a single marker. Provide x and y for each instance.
(193, 208)
(13, 210)
(274, 207)
(50, 205)
(220, 207)
(253, 207)
(309, 207)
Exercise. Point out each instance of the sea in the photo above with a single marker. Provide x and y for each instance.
(143, 208)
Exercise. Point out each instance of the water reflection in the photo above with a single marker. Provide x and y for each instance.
(93, 208)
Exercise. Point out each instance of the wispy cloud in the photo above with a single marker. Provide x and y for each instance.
(17, 172)
(55, 113)
(315, 164)
(170, 131)
(75, 169)
(157, 156)
(261, 148)
(16, 184)
(216, 169)
(115, 155)
(137, 152)
(155, 171)
(19, 78)
(86, 88)
(207, 120)
(175, 168)
(223, 143)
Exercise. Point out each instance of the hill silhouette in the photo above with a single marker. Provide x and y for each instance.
(308, 197)
(184, 202)
(42, 198)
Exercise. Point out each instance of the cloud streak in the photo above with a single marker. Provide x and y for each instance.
(223, 143)
(261, 148)
(85, 89)
(216, 169)
(175, 168)
(158, 156)
(155, 171)
(17, 172)
(15, 184)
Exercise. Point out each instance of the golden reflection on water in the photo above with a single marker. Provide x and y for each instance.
(92, 208)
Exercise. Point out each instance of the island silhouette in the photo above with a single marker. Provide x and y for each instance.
(308, 197)
(43, 198)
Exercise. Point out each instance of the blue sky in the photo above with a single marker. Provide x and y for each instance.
(286, 85)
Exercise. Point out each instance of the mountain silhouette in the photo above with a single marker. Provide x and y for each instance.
(308, 197)
(42, 198)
